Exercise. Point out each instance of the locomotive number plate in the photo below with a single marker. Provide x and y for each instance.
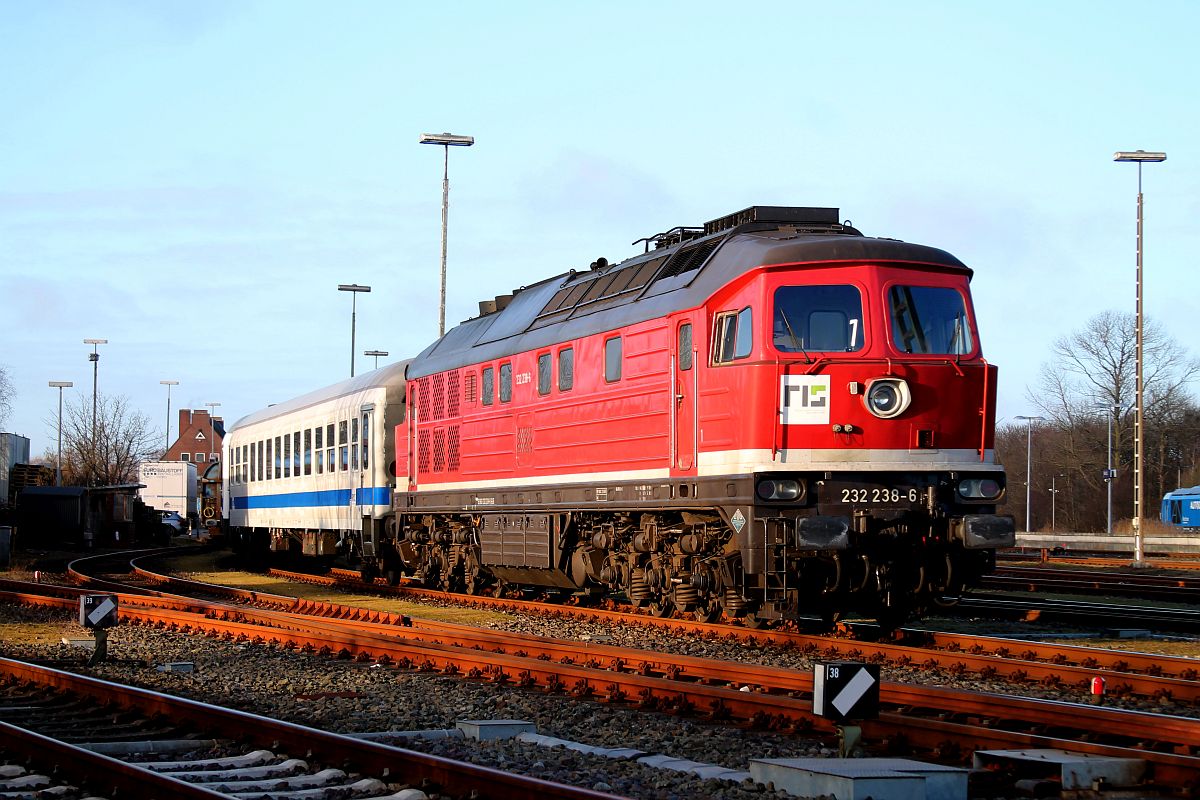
(866, 495)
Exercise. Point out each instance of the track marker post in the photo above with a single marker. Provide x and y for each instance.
(846, 692)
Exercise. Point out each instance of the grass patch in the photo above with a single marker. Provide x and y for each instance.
(207, 568)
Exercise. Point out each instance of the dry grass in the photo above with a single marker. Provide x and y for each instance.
(207, 568)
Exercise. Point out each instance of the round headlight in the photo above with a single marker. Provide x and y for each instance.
(979, 488)
(778, 489)
(887, 397)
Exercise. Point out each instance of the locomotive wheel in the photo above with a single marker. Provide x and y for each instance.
(661, 607)
(753, 621)
(707, 610)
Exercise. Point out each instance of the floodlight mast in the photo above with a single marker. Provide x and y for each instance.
(1139, 157)
(447, 140)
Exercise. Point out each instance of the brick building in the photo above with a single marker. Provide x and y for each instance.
(199, 442)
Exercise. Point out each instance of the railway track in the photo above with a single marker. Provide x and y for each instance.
(1126, 674)
(927, 719)
(121, 741)
(1110, 583)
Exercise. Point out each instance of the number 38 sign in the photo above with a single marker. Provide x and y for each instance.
(846, 690)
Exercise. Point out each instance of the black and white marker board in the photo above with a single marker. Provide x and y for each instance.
(846, 690)
(98, 610)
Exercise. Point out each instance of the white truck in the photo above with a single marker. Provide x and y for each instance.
(170, 486)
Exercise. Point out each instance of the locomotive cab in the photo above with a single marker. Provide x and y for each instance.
(873, 414)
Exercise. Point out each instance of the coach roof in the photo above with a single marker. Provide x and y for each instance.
(386, 376)
(655, 284)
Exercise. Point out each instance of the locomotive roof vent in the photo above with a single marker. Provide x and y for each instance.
(487, 307)
(826, 218)
(502, 301)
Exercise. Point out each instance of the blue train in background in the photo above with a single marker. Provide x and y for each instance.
(1181, 508)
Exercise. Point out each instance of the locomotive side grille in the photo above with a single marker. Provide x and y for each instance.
(439, 396)
(688, 259)
(439, 450)
(423, 398)
(452, 395)
(452, 462)
(470, 388)
(424, 458)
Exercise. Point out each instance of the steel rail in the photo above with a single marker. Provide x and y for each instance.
(1177, 592)
(1101, 579)
(96, 772)
(408, 766)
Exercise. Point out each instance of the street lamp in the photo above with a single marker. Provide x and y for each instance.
(60, 385)
(446, 140)
(1110, 474)
(212, 429)
(94, 357)
(1138, 157)
(1028, 462)
(168, 384)
(377, 354)
(354, 290)
(1053, 498)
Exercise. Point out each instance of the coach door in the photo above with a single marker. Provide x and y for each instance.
(684, 409)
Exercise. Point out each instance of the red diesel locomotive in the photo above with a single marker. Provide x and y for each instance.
(767, 417)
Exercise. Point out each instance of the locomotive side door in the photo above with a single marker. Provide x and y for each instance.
(684, 386)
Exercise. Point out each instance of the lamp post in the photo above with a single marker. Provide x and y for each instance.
(168, 384)
(1139, 157)
(354, 290)
(1028, 463)
(60, 385)
(377, 354)
(212, 429)
(446, 140)
(94, 357)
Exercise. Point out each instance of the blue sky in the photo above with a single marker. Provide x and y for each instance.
(268, 150)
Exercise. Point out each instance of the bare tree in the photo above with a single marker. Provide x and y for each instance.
(6, 395)
(124, 438)
(1091, 372)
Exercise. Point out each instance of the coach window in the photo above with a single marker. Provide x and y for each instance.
(344, 444)
(308, 451)
(317, 431)
(505, 382)
(278, 459)
(296, 454)
(566, 369)
(354, 443)
(366, 439)
(612, 359)
(329, 462)
(685, 346)
(544, 373)
(287, 455)
(489, 385)
(734, 336)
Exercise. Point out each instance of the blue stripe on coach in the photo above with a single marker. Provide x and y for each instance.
(371, 496)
